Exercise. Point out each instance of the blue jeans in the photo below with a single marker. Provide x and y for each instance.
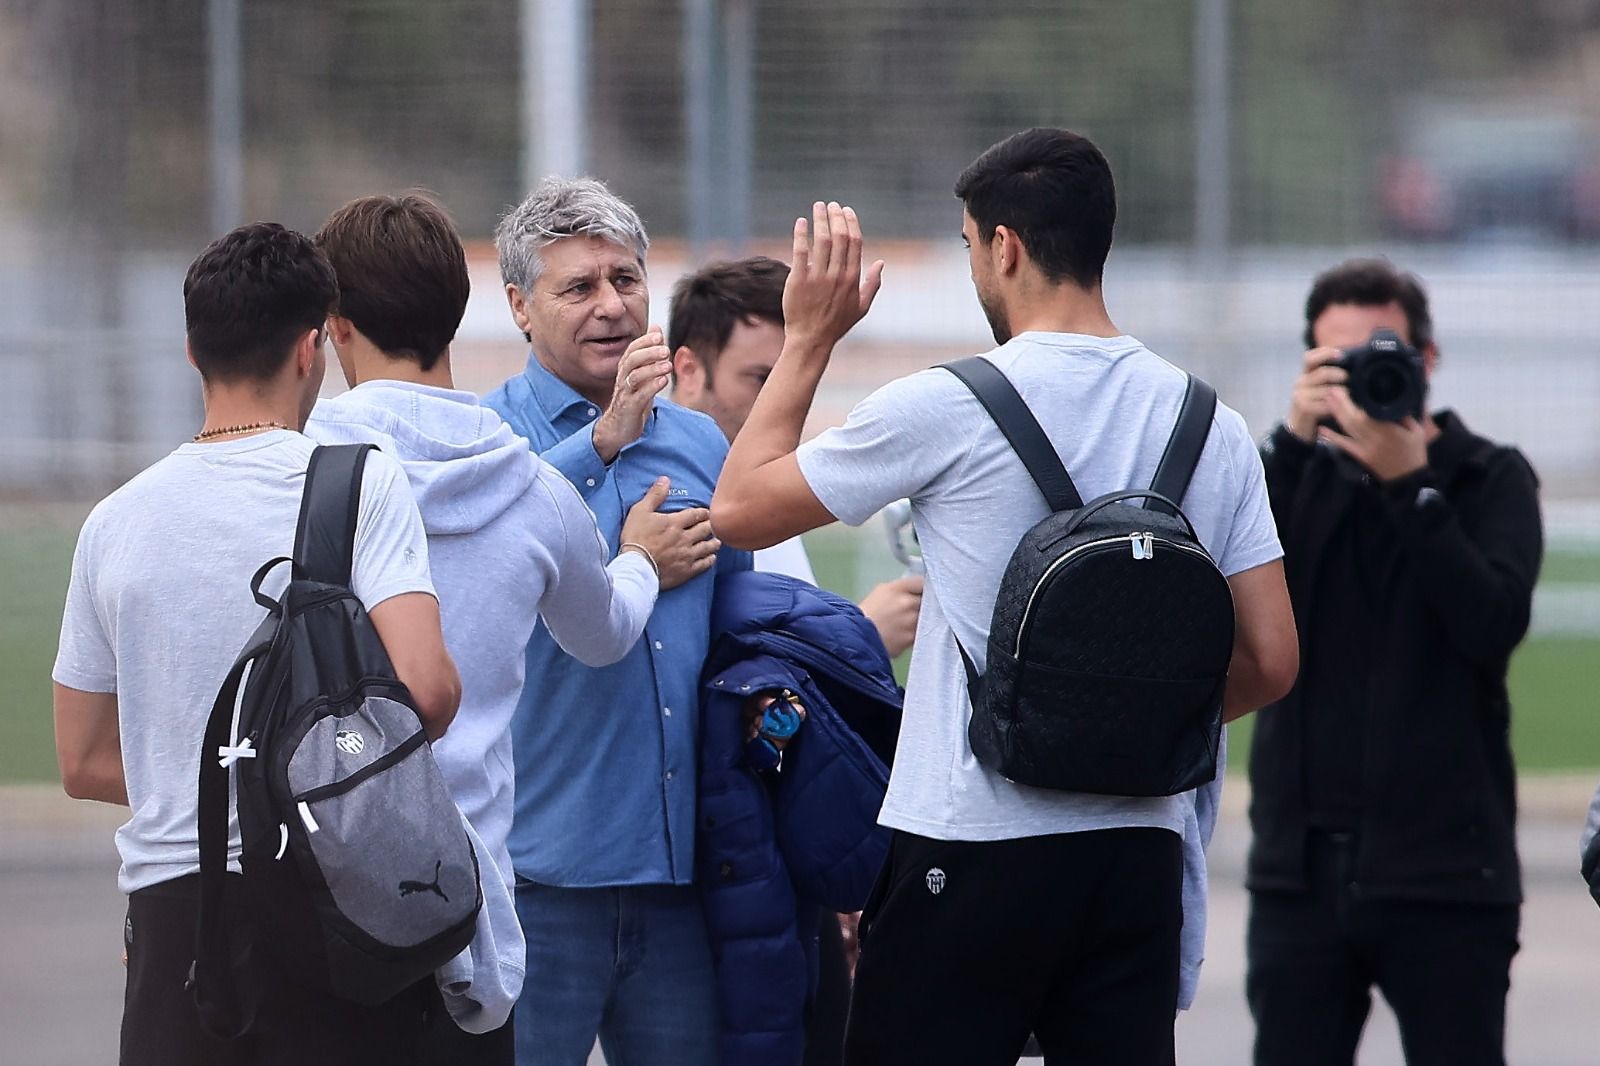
(630, 965)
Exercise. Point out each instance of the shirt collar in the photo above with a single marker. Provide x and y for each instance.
(556, 398)
(1454, 444)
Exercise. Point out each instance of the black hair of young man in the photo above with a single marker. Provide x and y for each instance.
(1053, 188)
(249, 295)
(1371, 283)
(709, 303)
(402, 273)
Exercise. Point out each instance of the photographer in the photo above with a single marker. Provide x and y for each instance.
(1383, 800)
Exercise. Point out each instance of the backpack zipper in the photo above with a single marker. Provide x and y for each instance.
(355, 777)
(1143, 548)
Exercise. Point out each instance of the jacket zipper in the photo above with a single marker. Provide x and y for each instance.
(867, 684)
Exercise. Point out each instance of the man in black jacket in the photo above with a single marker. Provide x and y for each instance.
(1384, 797)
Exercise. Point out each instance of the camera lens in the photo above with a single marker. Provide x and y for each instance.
(1386, 378)
(1386, 384)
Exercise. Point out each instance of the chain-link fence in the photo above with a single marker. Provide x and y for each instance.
(1255, 142)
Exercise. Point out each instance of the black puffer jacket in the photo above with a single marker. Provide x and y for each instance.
(1437, 788)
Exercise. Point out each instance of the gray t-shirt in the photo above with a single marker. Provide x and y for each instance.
(1108, 405)
(159, 608)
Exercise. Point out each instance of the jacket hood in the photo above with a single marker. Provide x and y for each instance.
(750, 605)
(757, 614)
(465, 465)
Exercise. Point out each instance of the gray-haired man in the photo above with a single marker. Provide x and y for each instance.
(603, 840)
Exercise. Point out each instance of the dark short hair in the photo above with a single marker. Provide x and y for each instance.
(1052, 188)
(250, 296)
(402, 273)
(1371, 283)
(707, 304)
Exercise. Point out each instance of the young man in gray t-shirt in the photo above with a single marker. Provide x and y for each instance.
(158, 609)
(1007, 909)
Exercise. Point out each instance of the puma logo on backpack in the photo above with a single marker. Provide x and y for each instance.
(408, 887)
(339, 798)
(1112, 631)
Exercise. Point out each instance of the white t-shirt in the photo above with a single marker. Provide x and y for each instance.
(789, 558)
(1108, 405)
(159, 608)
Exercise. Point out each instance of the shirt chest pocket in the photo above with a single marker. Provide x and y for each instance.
(684, 500)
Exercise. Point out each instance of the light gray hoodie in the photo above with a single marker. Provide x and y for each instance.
(509, 540)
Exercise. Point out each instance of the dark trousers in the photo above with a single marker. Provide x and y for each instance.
(967, 947)
(830, 1006)
(446, 1044)
(292, 1026)
(1314, 957)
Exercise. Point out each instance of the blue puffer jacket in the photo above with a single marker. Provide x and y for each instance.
(775, 851)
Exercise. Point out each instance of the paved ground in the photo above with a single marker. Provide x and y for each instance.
(61, 917)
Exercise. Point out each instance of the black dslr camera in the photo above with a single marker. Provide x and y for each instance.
(1386, 377)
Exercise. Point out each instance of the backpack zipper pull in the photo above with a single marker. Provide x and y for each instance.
(1143, 545)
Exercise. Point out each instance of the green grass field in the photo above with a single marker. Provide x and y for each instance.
(34, 565)
(1554, 679)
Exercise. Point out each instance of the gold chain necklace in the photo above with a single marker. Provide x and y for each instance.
(225, 431)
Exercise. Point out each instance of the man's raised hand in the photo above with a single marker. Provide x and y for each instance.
(826, 293)
(642, 372)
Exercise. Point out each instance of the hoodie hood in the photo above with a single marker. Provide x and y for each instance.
(465, 465)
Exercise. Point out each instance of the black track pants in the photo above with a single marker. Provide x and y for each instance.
(969, 946)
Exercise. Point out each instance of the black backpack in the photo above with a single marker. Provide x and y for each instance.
(358, 874)
(1113, 627)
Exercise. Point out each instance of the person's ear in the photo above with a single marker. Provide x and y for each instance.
(688, 373)
(340, 330)
(306, 351)
(188, 353)
(520, 311)
(1003, 251)
(1430, 360)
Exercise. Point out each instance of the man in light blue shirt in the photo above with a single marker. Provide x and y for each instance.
(603, 839)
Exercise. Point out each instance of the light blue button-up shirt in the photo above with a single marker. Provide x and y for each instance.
(605, 758)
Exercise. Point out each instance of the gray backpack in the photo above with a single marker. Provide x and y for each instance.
(358, 874)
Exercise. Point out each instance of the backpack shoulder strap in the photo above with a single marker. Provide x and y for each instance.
(1188, 440)
(325, 536)
(1010, 412)
(210, 977)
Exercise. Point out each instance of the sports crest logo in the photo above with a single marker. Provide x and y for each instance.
(935, 880)
(349, 741)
